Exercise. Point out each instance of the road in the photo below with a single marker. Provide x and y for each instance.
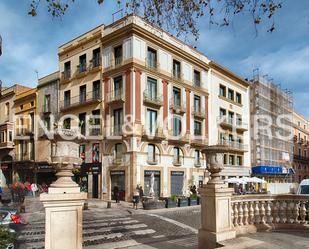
(125, 228)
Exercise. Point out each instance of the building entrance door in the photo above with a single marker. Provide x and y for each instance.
(177, 182)
(95, 186)
(118, 179)
(157, 181)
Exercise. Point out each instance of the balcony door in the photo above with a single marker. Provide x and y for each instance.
(152, 88)
(82, 94)
(96, 88)
(176, 96)
(118, 86)
(152, 121)
(118, 120)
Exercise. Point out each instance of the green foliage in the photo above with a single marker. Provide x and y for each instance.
(6, 237)
(181, 16)
(193, 196)
(173, 198)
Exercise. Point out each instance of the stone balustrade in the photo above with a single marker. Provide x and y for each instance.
(250, 213)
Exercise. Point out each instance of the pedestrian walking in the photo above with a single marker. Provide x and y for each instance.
(34, 189)
(141, 193)
(136, 197)
(116, 194)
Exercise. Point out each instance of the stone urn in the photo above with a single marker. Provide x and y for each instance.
(64, 158)
(215, 162)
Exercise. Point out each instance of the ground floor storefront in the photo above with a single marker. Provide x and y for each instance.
(167, 181)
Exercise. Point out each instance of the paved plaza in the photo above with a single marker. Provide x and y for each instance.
(123, 227)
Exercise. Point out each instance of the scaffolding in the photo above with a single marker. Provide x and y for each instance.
(272, 147)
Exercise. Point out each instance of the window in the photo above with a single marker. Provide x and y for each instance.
(225, 159)
(238, 119)
(197, 78)
(46, 107)
(222, 91)
(176, 159)
(2, 137)
(96, 90)
(32, 122)
(197, 157)
(21, 107)
(118, 151)
(82, 63)
(197, 103)
(238, 98)
(197, 128)
(152, 121)
(118, 55)
(152, 58)
(152, 88)
(238, 160)
(82, 94)
(67, 123)
(47, 123)
(82, 152)
(67, 98)
(176, 96)
(176, 69)
(299, 152)
(151, 153)
(305, 153)
(10, 136)
(118, 86)
(231, 159)
(96, 60)
(7, 108)
(31, 144)
(222, 113)
(96, 153)
(176, 126)
(231, 94)
(82, 123)
(67, 70)
(231, 117)
(95, 120)
(118, 121)
(32, 103)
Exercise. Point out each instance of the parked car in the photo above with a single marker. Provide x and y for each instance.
(303, 188)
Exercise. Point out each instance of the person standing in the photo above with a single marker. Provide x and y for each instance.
(116, 194)
(141, 193)
(34, 189)
(136, 197)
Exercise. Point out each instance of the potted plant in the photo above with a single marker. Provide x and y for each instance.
(183, 201)
(171, 202)
(91, 121)
(193, 200)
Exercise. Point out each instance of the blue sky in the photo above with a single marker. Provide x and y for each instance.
(31, 44)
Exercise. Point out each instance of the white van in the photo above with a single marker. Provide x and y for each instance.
(303, 188)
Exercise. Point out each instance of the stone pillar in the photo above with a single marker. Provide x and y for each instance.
(64, 201)
(216, 223)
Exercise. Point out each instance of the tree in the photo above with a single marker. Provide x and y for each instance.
(181, 16)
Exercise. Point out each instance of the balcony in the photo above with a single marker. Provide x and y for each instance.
(152, 99)
(178, 139)
(156, 135)
(198, 141)
(95, 64)
(177, 106)
(46, 109)
(116, 130)
(234, 146)
(241, 126)
(301, 158)
(115, 97)
(228, 122)
(6, 145)
(81, 70)
(80, 100)
(28, 130)
(65, 76)
(198, 113)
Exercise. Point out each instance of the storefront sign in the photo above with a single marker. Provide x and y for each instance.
(177, 173)
(45, 168)
(114, 173)
(149, 172)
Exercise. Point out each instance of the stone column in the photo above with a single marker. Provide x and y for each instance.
(64, 201)
(216, 223)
